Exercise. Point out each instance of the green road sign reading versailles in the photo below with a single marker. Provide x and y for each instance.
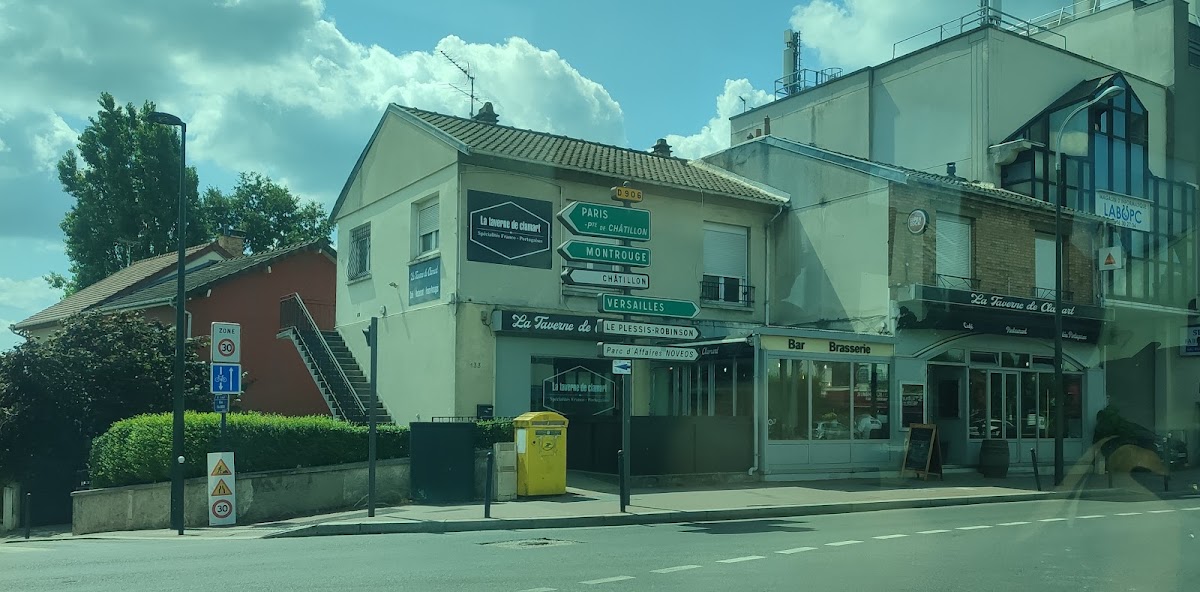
(659, 307)
(601, 253)
(606, 221)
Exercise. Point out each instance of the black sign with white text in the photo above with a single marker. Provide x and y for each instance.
(536, 324)
(509, 230)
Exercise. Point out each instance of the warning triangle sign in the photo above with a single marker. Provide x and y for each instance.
(221, 469)
(221, 488)
(1110, 260)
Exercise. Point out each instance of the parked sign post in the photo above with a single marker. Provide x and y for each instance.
(226, 369)
(222, 489)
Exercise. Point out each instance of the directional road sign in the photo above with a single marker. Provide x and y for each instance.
(226, 343)
(226, 378)
(602, 253)
(648, 352)
(610, 279)
(659, 307)
(606, 221)
(648, 330)
(622, 366)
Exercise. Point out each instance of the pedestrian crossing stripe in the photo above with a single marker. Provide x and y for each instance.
(221, 488)
(221, 469)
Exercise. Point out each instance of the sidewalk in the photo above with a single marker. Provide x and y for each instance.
(594, 502)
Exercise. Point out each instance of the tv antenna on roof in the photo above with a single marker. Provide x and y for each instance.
(470, 79)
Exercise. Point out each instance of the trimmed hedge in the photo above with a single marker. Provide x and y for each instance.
(138, 449)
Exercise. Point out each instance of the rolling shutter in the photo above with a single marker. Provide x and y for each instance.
(725, 250)
(953, 246)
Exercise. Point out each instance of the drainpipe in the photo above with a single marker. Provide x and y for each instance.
(758, 397)
(767, 265)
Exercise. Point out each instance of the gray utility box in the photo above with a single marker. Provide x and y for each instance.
(506, 471)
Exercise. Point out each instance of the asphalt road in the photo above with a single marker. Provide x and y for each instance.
(1041, 546)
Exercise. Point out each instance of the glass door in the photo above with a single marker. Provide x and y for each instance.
(995, 400)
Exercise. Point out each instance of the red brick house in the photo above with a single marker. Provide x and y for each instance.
(247, 290)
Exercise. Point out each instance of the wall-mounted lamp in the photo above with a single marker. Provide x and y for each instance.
(394, 285)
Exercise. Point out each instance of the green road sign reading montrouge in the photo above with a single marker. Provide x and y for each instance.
(606, 221)
(641, 305)
(602, 253)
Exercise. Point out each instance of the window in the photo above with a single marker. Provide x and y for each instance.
(725, 262)
(573, 386)
(428, 223)
(787, 399)
(1044, 266)
(953, 251)
(360, 252)
(828, 400)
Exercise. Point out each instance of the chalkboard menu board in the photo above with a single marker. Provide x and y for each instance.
(922, 455)
(912, 404)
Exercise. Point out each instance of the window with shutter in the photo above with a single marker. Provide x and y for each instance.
(428, 228)
(725, 263)
(954, 251)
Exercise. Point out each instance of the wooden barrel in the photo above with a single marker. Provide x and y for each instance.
(993, 458)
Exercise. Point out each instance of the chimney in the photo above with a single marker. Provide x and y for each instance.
(234, 242)
(661, 148)
(951, 168)
(487, 114)
(757, 132)
(767, 125)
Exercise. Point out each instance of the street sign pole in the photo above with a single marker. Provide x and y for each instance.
(371, 417)
(626, 379)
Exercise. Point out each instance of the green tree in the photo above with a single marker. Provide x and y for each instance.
(124, 176)
(268, 214)
(58, 393)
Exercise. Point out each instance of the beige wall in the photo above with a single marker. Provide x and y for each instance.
(676, 246)
(830, 115)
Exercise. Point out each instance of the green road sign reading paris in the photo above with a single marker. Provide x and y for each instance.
(602, 253)
(606, 221)
(659, 307)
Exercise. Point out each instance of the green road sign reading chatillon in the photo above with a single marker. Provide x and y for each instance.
(606, 221)
(659, 307)
(602, 253)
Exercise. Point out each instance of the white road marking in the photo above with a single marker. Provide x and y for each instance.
(674, 569)
(978, 527)
(1128, 513)
(540, 590)
(842, 543)
(19, 548)
(933, 531)
(606, 580)
(741, 559)
(1190, 509)
(1091, 516)
(1052, 520)
(1160, 511)
(796, 550)
(890, 536)
(1017, 523)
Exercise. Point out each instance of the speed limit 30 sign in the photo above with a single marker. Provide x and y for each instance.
(226, 343)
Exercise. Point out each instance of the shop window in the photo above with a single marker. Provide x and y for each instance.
(787, 399)
(573, 386)
(985, 358)
(1011, 360)
(871, 401)
(831, 393)
(951, 355)
(744, 387)
(722, 379)
(977, 404)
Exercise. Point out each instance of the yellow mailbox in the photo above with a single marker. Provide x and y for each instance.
(541, 438)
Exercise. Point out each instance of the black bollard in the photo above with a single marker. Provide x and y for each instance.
(28, 520)
(1037, 477)
(487, 484)
(621, 471)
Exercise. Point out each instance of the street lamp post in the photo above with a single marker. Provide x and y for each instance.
(180, 323)
(1060, 175)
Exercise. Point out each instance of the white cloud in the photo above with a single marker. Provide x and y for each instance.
(714, 136)
(29, 295)
(851, 34)
(271, 86)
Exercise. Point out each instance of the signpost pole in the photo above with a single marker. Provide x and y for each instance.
(626, 395)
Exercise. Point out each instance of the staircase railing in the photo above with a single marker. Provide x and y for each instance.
(294, 315)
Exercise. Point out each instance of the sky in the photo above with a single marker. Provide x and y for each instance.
(293, 88)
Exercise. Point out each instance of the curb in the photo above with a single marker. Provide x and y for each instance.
(669, 517)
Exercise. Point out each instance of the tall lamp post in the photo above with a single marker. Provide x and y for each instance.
(1060, 175)
(180, 323)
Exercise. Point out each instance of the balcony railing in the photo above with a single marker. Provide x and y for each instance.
(727, 290)
(1048, 294)
(954, 282)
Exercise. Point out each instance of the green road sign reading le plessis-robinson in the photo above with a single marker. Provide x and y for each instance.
(641, 305)
(606, 221)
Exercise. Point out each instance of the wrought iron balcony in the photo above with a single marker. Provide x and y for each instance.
(954, 282)
(1048, 294)
(727, 290)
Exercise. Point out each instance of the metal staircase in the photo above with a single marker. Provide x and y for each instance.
(330, 363)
